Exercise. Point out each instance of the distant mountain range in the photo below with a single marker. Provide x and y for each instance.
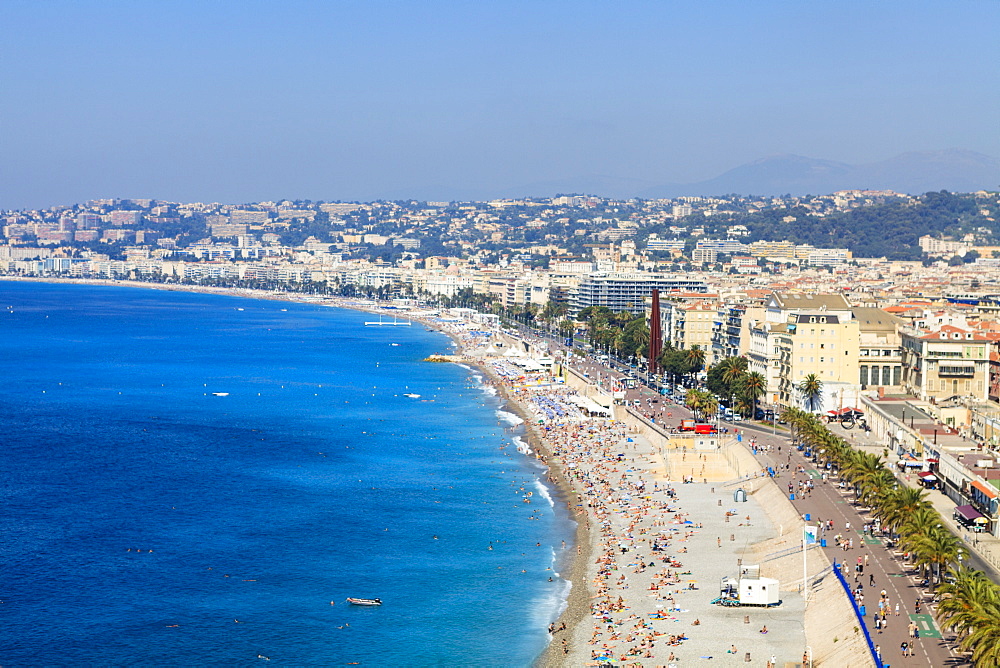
(956, 170)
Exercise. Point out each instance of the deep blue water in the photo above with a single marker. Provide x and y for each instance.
(145, 521)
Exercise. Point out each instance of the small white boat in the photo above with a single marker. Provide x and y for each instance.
(364, 601)
(411, 395)
(220, 394)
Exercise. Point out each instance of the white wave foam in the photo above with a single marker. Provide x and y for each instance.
(544, 492)
(522, 447)
(548, 608)
(510, 418)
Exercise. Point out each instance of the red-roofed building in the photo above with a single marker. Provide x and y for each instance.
(946, 361)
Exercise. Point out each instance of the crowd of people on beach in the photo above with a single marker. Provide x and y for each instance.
(637, 533)
(638, 573)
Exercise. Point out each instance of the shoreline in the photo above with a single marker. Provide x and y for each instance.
(569, 646)
(576, 603)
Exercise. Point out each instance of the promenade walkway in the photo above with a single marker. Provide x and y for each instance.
(982, 545)
(881, 569)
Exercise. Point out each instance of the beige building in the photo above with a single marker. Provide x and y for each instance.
(691, 324)
(879, 350)
(945, 362)
(803, 335)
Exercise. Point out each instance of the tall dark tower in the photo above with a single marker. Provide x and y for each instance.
(655, 336)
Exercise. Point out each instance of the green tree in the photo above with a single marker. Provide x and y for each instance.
(695, 359)
(811, 388)
(752, 387)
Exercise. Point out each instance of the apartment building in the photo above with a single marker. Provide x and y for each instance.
(689, 324)
(628, 291)
(944, 362)
(804, 335)
(731, 330)
(879, 350)
(128, 218)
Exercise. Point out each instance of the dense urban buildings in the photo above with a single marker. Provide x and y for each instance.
(902, 322)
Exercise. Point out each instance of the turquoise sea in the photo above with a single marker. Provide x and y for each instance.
(148, 520)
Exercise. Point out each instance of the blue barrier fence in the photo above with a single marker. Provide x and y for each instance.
(857, 613)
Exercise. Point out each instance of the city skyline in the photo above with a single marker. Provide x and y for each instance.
(332, 101)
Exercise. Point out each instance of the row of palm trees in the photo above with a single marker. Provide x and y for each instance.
(969, 601)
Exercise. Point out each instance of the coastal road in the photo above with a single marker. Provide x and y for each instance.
(885, 568)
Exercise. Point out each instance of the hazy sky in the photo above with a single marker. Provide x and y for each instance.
(245, 101)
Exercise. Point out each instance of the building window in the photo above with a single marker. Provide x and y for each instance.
(864, 374)
(887, 375)
(895, 375)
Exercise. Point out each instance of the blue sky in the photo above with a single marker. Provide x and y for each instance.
(246, 101)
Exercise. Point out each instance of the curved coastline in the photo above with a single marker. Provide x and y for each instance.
(576, 606)
(588, 538)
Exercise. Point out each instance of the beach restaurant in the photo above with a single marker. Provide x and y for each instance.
(970, 518)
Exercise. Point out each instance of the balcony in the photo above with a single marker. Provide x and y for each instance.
(944, 353)
(962, 371)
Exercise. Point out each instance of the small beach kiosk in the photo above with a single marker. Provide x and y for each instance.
(749, 588)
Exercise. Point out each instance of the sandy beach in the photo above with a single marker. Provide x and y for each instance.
(651, 548)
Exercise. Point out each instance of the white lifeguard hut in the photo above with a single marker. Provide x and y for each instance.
(749, 588)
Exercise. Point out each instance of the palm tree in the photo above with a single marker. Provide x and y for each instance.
(733, 369)
(898, 504)
(970, 602)
(709, 405)
(695, 358)
(984, 640)
(694, 399)
(752, 387)
(730, 371)
(640, 340)
(913, 531)
(811, 388)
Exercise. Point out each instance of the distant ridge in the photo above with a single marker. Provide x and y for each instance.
(916, 172)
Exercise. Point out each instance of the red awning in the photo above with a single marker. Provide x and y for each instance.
(924, 474)
(985, 489)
